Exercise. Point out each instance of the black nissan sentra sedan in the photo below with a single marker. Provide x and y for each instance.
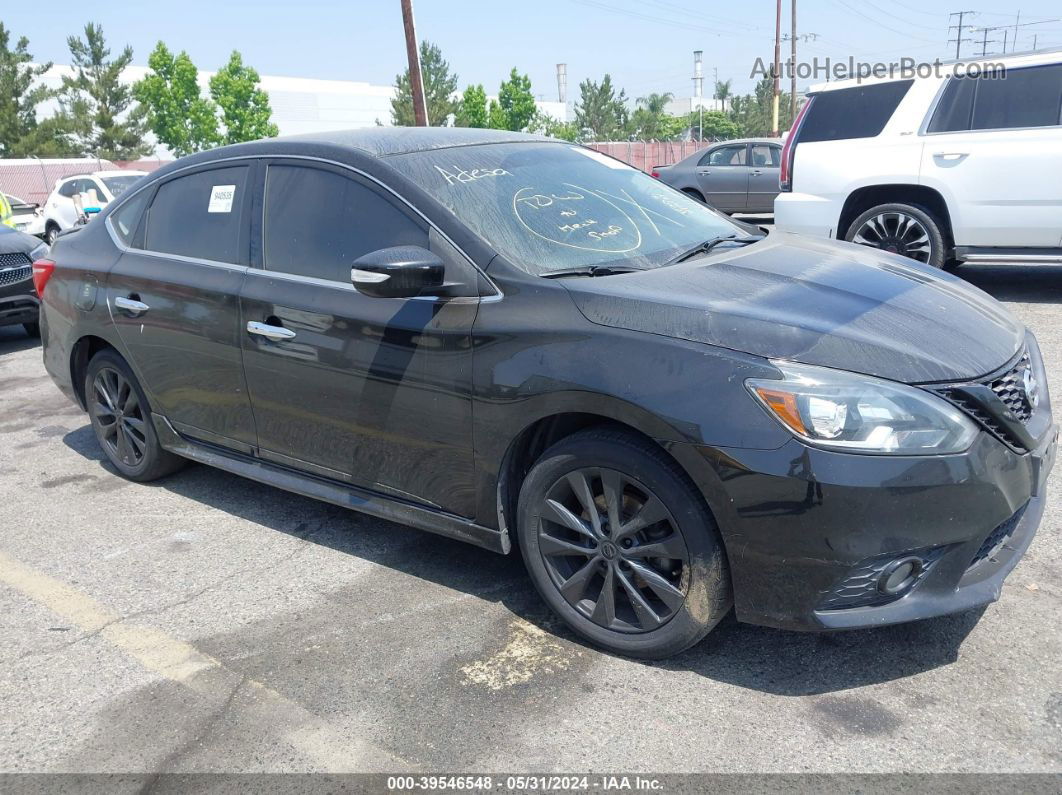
(515, 341)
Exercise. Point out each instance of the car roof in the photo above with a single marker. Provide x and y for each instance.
(1012, 60)
(386, 141)
(700, 152)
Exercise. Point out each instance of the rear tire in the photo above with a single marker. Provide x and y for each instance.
(909, 230)
(694, 194)
(642, 573)
(51, 232)
(121, 418)
(33, 329)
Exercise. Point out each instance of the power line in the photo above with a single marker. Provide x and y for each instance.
(958, 36)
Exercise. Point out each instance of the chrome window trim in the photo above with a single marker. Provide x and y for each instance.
(117, 206)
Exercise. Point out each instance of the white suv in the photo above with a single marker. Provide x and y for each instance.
(945, 169)
(98, 189)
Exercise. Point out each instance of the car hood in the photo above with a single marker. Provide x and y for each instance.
(817, 302)
(14, 242)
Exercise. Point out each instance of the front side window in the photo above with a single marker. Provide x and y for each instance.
(317, 222)
(199, 215)
(554, 206)
(726, 156)
(858, 112)
(68, 189)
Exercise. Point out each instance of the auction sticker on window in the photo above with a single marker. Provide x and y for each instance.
(221, 197)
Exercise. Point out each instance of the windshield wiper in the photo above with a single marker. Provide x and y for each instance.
(708, 245)
(592, 270)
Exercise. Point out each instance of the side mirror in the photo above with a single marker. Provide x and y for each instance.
(397, 272)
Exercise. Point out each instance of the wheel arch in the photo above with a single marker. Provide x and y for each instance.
(540, 433)
(80, 355)
(862, 199)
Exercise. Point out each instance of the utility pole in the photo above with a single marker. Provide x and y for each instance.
(416, 83)
(1005, 33)
(985, 41)
(793, 69)
(1017, 24)
(777, 67)
(958, 36)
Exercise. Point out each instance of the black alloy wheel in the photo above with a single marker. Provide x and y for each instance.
(620, 544)
(613, 550)
(121, 419)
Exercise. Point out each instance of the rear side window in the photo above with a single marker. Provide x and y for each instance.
(126, 218)
(858, 112)
(199, 216)
(68, 189)
(318, 222)
(1024, 98)
(766, 156)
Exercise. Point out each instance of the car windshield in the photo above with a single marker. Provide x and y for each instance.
(551, 206)
(117, 185)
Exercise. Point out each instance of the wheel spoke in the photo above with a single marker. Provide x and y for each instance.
(581, 487)
(130, 403)
(125, 451)
(563, 516)
(605, 609)
(101, 411)
(110, 430)
(575, 586)
(612, 486)
(647, 617)
(139, 444)
(651, 512)
(100, 385)
(556, 547)
(668, 593)
(672, 548)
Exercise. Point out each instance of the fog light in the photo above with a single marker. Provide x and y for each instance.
(900, 575)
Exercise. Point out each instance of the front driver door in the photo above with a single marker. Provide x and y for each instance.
(723, 175)
(373, 391)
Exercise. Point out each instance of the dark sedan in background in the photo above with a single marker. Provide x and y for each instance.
(511, 340)
(18, 299)
(733, 176)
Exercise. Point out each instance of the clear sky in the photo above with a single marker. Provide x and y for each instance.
(645, 44)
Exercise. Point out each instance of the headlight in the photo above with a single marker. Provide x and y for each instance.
(862, 414)
(40, 251)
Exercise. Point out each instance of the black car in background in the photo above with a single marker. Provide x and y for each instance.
(18, 298)
(513, 340)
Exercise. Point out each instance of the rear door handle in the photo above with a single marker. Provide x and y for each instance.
(950, 155)
(756, 173)
(274, 333)
(131, 305)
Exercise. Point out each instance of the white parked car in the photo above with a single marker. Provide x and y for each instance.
(945, 169)
(96, 190)
(25, 216)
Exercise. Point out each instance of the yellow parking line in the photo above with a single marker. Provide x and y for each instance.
(183, 663)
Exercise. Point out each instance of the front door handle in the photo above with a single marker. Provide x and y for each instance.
(131, 305)
(274, 333)
(950, 155)
(755, 173)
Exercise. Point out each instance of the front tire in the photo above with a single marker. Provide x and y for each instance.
(909, 230)
(121, 419)
(621, 546)
(51, 233)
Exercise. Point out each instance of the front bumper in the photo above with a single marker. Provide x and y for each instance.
(18, 304)
(808, 533)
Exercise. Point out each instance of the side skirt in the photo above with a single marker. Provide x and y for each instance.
(341, 494)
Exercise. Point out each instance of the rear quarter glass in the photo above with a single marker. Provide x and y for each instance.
(857, 112)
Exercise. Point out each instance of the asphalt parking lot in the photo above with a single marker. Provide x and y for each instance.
(208, 623)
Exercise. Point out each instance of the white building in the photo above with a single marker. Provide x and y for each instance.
(300, 105)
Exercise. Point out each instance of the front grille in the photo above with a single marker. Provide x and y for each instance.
(1010, 388)
(859, 588)
(11, 272)
(997, 538)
